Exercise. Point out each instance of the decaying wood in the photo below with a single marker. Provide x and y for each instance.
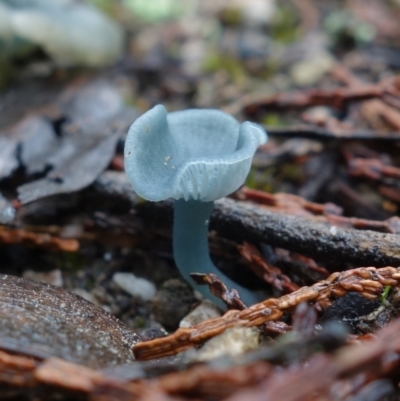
(315, 132)
(391, 225)
(20, 236)
(242, 221)
(369, 282)
(322, 241)
(266, 271)
(219, 289)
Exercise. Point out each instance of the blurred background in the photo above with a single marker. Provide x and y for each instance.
(235, 56)
(205, 53)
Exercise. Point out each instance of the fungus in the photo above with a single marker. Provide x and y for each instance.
(195, 157)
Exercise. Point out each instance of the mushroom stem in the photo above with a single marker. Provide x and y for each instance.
(190, 245)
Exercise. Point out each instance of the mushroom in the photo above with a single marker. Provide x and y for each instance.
(195, 157)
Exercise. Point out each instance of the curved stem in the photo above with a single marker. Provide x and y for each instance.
(190, 244)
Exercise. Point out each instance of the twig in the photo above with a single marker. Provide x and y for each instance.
(241, 221)
(219, 289)
(321, 241)
(313, 132)
(270, 274)
(369, 282)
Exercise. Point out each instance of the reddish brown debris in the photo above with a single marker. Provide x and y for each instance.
(204, 381)
(287, 256)
(315, 97)
(351, 368)
(20, 236)
(335, 98)
(369, 282)
(304, 320)
(373, 169)
(117, 162)
(219, 289)
(59, 373)
(315, 380)
(381, 115)
(15, 370)
(274, 328)
(380, 105)
(288, 203)
(394, 195)
(264, 270)
(298, 206)
(391, 225)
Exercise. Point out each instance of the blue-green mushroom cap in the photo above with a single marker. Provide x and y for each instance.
(198, 154)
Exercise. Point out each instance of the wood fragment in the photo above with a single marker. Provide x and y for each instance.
(335, 98)
(219, 289)
(59, 373)
(322, 133)
(363, 362)
(264, 270)
(373, 169)
(20, 236)
(288, 203)
(329, 212)
(270, 310)
(241, 221)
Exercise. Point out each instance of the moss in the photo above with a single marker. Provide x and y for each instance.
(158, 10)
(260, 180)
(232, 16)
(271, 68)
(7, 73)
(291, 172)
(139, 322)
(217, 62)
(385, 294)
(285, 29)
(70, 261)
(273, 120)
(346, 30)
(105, 5)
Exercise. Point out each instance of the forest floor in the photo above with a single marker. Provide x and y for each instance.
(315, 229)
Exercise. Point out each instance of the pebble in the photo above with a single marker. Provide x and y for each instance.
(172, 302)
(86, 295)
(312, 69)
(135, 286)
(81, 35)
(206, 310)
(234, 341)
(53, 277)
